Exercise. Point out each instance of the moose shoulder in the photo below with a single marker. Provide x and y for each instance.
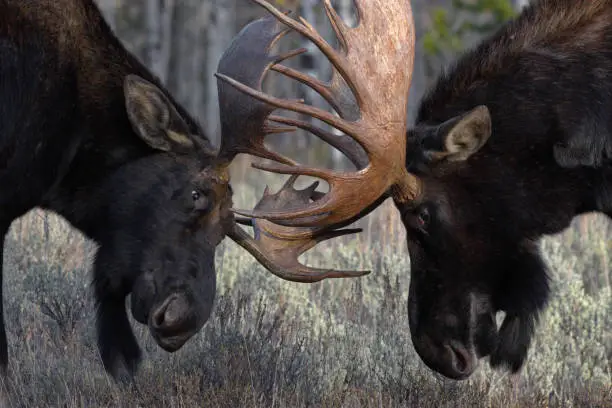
(88, 132)
(511, 144)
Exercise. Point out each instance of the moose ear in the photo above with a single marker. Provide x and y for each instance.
(466, 134)
(154, 117)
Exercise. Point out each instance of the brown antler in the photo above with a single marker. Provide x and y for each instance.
(245, 121)
(243, 118)
(369, 90)
(245, 124)
(278, 247)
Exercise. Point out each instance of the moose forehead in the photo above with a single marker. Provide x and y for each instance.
(181, 175)
(437, 196)
(200, 169)
(215, 178)
(217, 174)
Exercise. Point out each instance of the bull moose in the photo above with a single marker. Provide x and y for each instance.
(88, 132)
(510, 144)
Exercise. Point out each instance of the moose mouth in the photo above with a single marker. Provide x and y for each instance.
(174, 321)
(457, 356)
(171, 343)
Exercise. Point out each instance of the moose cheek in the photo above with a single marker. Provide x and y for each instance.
(140, 312)
(142, 296)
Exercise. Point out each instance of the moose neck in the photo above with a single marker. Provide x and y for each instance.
(539, 154)
(117, 199)
(528, 188)
(103, 139)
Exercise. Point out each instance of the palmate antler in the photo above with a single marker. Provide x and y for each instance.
(369, 91)
(279, 247)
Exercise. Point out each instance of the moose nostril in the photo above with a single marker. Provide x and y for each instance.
(462, 359)
(170, 313)
(159, 317)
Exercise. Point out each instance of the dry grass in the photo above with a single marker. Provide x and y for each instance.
(271, 343)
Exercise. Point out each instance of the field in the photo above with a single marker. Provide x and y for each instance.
(271, 343)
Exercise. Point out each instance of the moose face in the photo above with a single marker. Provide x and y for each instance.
(451, 313)
(470, 255)
(172, 217)
(175, 288)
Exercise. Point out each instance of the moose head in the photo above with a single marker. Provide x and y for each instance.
(163, 225)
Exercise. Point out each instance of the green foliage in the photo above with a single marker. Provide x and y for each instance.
(450, 27)
(441, 37)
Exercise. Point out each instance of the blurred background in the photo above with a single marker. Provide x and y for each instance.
(182, 41)
(271, 343)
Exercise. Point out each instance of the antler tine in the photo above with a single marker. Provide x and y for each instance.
(374, 64)
(278, 247)
(318, 86)
(282, 261)
(309, 32)
(243, 118)
(340, 142)
(296, 106)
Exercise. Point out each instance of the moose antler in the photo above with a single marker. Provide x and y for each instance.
(369, 91)
(278, 247)
(244, 127)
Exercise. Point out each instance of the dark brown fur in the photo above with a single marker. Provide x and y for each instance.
(548, 24)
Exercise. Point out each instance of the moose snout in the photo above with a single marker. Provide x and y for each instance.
(451, 358)
(170, 315)
(461, 362)
(172, 322)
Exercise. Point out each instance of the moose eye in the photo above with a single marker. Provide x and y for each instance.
(201, 201)
(423, 217)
